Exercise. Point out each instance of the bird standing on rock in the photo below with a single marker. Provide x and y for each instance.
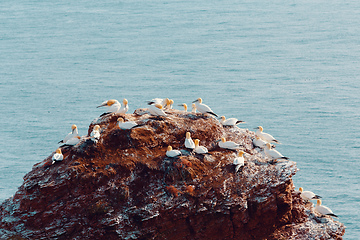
(228, 144)
(126, 125)
(239, 161)
(95, 134)
(199, 149)
(230, 121)
(265, 136)
(307, 195)
(111, 105)
(272, 153)
(323, 209)
(258, 142)
(189, 143)
(203, 108)
(185, 106)
(125, 107)
(172, 153)
(157, 110)
(58, 156)
(73, 133)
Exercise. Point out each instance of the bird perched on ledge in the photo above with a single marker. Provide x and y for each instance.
(228, 144)
(265, 136)
(203, 108)
(126, 125)
(230, 121)
(125, 107)
(172, 153)
(307, 195)
(111, 105)
(189, 143)
(95, 134)
(323, 209)
(272, 153)
(239, 161)
(58, 156)
(157, 110)
(199, 149)
(73, 133)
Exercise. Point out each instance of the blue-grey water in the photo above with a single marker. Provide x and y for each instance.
(289, 66)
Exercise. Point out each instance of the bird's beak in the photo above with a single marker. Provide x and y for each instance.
(256, 128)
(218, 140)
(101, 105)
(196, 100)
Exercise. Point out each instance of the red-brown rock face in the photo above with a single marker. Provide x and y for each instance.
(124, 187)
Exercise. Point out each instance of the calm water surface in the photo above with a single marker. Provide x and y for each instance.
(290, 66)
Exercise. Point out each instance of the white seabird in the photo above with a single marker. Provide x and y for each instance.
(172, 153)
(125, 107)
(95, 134)
(307, 195)
(157, 110)
(160, 101)
(72, 141)
(189, 143)
(184, 105)
(272, 153)
(228, 144)
(193, 108)
(169, 104)
(112, 106)
(265, 136)
(323, 210)
(73, 133)
(199, 149)
(58, 156)
(239, 161)
(203, 108)
(126, 125)
(258, 142)
(230, 121)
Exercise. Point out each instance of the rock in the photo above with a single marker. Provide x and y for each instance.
(124, 187)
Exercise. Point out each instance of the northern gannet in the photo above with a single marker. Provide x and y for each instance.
(112, 106)
(189, 143)
(160, 101)
(258, 142)
(125, 107)
(172, 153)
(58, 156)
(193, 108)
(203, 108)
(95, 134)
(228, 144)
(272, 153)
(72, 141)
(199, 149)
(307, 195)
(265, 136)
(126, 125)
(157, 110)
(239, 161)
(73, 133)
(323, 210)
(184, 105)
(230, 121)
(169, 104)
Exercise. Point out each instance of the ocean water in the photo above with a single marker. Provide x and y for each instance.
(289, 66)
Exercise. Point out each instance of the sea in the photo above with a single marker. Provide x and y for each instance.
(292, 67)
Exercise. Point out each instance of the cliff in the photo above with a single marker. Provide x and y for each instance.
(124, 187)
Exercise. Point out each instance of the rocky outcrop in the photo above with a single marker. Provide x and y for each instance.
(124, 187)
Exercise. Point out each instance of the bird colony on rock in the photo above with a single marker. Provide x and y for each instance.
(157, 107)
